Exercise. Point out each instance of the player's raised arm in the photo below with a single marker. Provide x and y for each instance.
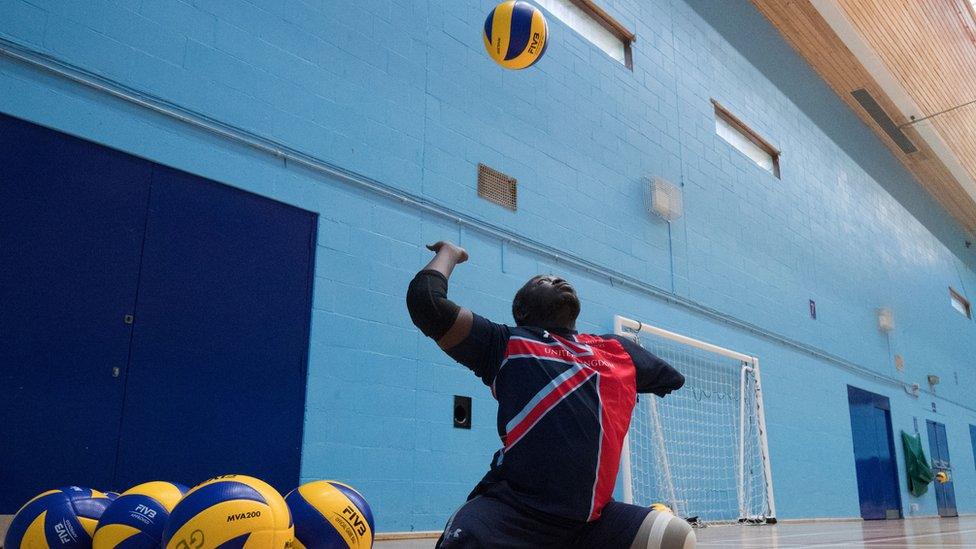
(468, 338)
(438, 317)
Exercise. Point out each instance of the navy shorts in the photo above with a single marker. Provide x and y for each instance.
(495, 519)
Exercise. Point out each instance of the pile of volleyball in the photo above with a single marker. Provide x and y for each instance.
(227, 512)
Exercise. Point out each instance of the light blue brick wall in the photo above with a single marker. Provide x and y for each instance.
(400, 91)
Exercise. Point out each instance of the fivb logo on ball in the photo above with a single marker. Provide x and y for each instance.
(351, 522)
(143, 513)
(65, 531)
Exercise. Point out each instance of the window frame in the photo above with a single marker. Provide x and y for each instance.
(750, 134)
(954, 297)
(614, 27)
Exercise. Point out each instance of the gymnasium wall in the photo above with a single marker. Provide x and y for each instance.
(400, 95)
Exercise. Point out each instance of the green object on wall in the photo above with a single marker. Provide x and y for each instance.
(919, 472)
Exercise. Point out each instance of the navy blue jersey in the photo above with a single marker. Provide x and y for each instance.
(564, 406)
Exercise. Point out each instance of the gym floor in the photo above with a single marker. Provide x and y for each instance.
(893, 534)
(925, 532)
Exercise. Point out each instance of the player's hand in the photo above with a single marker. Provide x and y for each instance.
(459, 254)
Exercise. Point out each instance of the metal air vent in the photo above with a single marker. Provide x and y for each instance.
(497, 187)
(884, 121)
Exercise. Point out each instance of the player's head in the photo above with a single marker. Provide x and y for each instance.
(546, 301)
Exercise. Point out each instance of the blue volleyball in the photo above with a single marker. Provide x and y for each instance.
(330, 515)
(516, 34)
(64, 518)
(136, 519)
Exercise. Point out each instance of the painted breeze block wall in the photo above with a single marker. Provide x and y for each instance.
(400, 98)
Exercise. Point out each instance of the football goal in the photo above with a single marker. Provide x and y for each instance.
(701, 450)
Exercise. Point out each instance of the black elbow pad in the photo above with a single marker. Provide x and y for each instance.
(427, 302)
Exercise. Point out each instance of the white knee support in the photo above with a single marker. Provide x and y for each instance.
(664, 531)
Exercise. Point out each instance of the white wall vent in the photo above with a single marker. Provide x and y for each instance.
(663, 198)
(886, 320)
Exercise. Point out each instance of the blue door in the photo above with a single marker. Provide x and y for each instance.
(874, 455)
(945, 494)
(153, 324)
(71, 228)
(216, 382)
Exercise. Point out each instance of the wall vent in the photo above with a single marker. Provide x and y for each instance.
(884, 121)
(663, 199)
(886, 320)
(497, 187)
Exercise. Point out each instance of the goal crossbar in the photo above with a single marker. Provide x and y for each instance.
(749, 366)
(622, 325)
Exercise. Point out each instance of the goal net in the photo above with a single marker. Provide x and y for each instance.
(702, 449)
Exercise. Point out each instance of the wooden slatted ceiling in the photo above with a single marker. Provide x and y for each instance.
(902, 33)
(926, 47)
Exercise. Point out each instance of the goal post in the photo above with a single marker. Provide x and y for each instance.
(702, 450)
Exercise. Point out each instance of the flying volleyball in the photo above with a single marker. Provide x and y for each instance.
(516, 34)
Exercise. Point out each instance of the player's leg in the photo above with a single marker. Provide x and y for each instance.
(630, 526)
(465, 529)
(486, 521)
(664, 531)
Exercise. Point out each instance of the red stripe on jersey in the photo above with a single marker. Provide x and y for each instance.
(617, 399)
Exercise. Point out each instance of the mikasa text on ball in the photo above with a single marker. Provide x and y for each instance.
(516, 34)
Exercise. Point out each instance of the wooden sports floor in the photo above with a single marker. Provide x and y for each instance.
(893, 534)
(926, 532)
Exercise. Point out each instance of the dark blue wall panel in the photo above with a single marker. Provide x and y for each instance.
(72, 216)
(216, 383)
(945, 494)
(207, 377)
(874, 454)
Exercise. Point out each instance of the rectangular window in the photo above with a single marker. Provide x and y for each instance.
(748, 142)
(595, 25)
(960, 303)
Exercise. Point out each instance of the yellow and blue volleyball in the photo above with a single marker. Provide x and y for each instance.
(330, 515)
(661, 508)
(63, 518)
(137, 518)
(516, 34)
(230, 512)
